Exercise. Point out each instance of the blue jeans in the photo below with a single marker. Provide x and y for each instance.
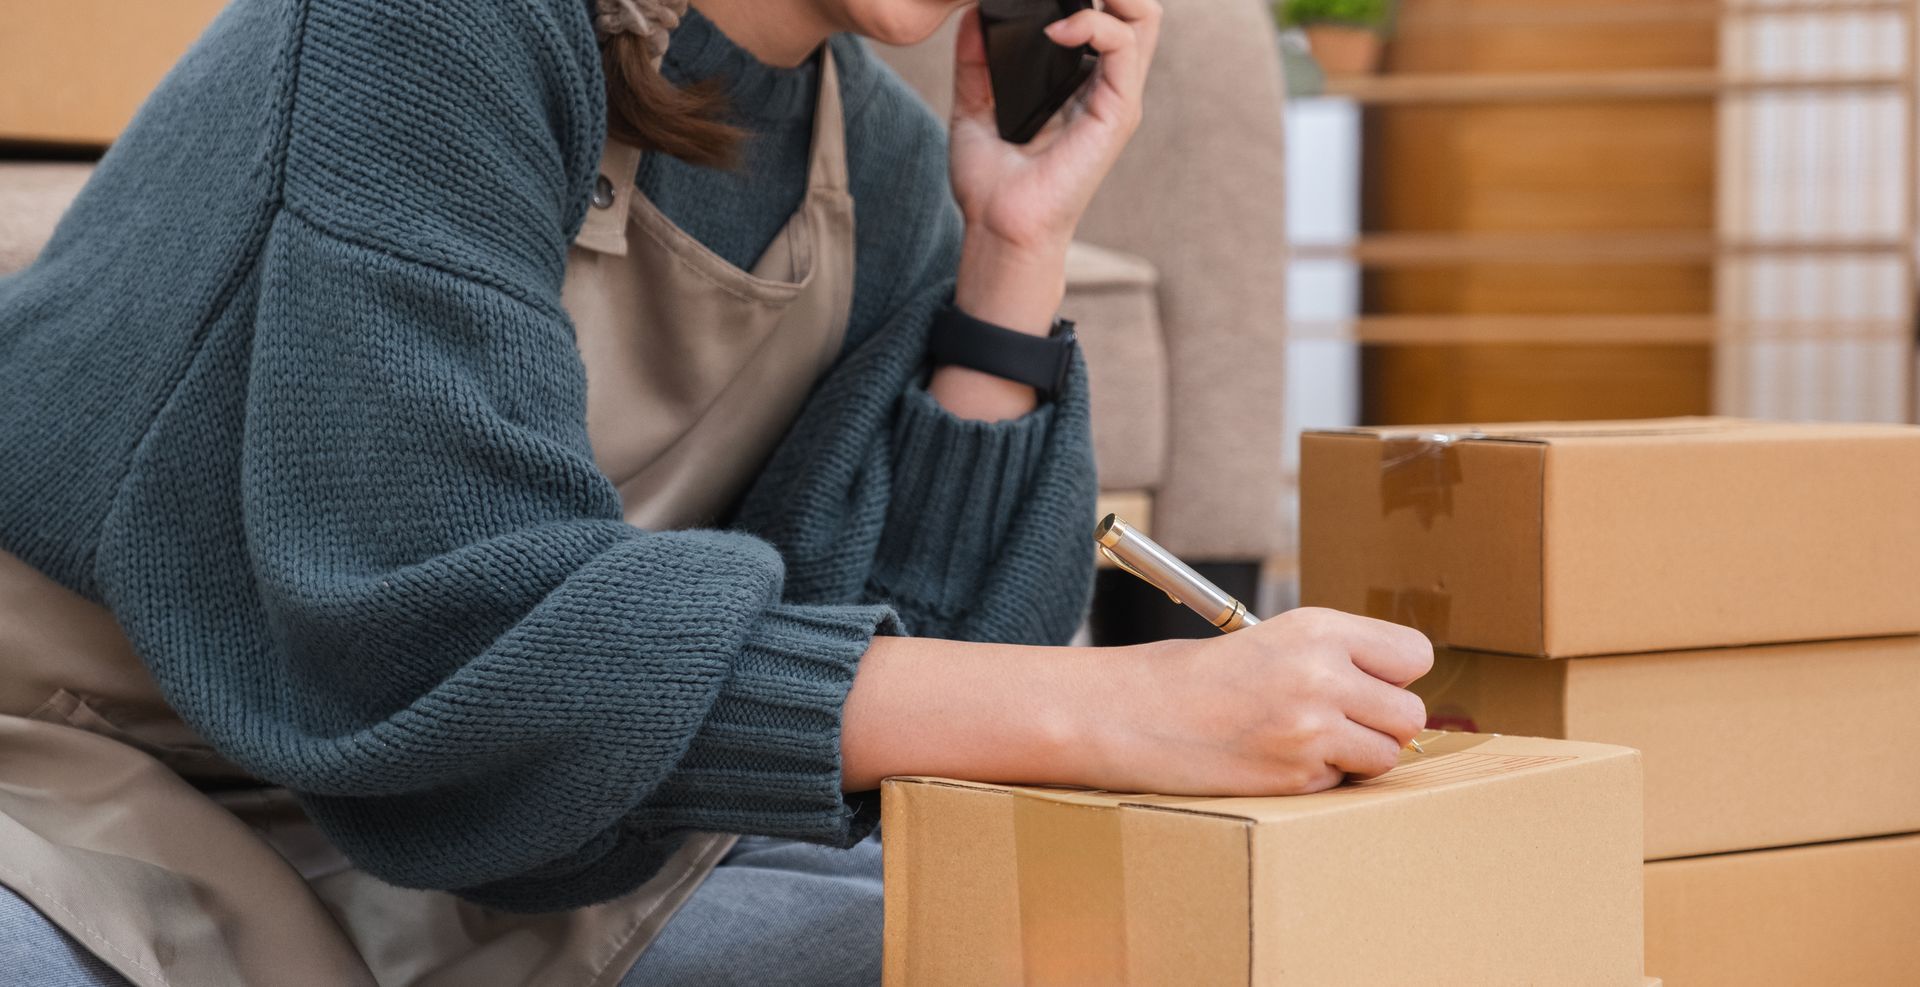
(35, 951)
(773, 912)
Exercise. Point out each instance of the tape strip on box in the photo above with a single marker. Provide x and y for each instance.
(1073, 918)
(1418, 471)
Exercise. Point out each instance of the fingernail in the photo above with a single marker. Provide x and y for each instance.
(1054, 29)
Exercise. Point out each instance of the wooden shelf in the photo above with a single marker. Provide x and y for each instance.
(1557, 87)
(1675, 330)
(1417, 18)
(1403, 250)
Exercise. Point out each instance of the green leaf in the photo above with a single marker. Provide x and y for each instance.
(1376, 14)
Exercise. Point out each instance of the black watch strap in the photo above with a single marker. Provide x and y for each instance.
(1040, 362)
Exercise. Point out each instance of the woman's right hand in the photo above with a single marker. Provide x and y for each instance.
(1289, 706)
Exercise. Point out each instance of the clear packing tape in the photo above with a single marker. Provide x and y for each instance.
(1418, 474)
(1418, 471)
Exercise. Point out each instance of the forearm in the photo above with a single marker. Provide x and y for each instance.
(1292, 705)
(996, 712)
(1019, 289)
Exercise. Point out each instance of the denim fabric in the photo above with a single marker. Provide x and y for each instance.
(774, 912)
(34, 951)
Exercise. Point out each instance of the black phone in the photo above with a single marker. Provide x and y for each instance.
(1032, 77)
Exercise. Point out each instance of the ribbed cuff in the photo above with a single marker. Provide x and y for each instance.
(957, 487)
(767, 760)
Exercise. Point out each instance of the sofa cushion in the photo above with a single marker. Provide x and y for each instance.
(1114, 298)
(33, 196)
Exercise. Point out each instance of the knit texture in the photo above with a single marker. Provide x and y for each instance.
(292, 392)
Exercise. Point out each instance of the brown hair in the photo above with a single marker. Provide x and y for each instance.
(647, 111)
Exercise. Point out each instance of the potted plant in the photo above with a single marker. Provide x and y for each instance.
(1345, 35)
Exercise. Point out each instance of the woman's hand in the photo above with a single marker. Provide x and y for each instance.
(1289, 706)
(1023, 202)
(1027, 199)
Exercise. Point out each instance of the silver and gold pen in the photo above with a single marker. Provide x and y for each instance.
(1125, 546)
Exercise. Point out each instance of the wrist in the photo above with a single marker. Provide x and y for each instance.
(1129, 700)
(985, 712)
(1019, 287)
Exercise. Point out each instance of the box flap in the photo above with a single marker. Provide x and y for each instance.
(1648, 428)
(1452, 760)
(1541, 431)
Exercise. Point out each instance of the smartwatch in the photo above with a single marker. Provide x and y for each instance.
(1040, 362)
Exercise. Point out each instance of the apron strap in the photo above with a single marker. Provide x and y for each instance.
(828, 167)
(605, 228)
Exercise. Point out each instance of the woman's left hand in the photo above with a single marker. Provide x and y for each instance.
(1023, 202)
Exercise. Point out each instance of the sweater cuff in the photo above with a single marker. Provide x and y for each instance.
(767, 759)
(958, 484)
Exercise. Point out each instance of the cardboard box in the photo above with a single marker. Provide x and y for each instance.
(1744, 747)
(74, 73)
(1560, 540)
(1486, 861)
(1836, 913)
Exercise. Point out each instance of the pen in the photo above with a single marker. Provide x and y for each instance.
(1128, 548)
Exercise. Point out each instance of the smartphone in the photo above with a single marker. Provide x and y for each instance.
(1032, 77)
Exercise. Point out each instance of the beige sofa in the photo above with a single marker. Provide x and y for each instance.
(32, 196)
(1180, 304)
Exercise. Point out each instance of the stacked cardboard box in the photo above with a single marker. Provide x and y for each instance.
(1481, 861)
(1734, 599)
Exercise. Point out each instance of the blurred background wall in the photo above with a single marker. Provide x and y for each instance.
(1611, 208)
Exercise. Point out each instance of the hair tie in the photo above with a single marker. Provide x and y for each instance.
(652, 20)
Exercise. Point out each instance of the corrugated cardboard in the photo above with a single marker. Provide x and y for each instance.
(1744, 747)
(1561, 540)
(1486, 861)
(1833, 914)
(74, 73)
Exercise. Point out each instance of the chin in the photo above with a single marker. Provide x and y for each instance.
(896, 22)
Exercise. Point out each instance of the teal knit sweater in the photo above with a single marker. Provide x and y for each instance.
(292, 392)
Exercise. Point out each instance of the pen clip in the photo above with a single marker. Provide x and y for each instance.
(1137, 574)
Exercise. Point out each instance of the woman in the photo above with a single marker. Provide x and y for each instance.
(467, 459)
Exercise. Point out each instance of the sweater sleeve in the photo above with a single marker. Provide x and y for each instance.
(975, 503)
(477, 676)
(987, 519)
(980, 530)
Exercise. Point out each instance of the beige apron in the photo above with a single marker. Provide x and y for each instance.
(126, 830)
